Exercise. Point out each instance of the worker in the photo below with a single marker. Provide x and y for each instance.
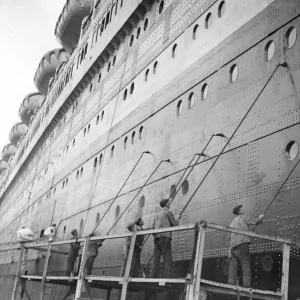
(136, 256)
(50, 232)
(239, 246)
(25, 234)
(92, 253)
(73, 253)
(162, 241)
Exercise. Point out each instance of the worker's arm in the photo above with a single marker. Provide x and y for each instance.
(172, 219)
(255, 221)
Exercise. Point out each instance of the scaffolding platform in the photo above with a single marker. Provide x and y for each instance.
(193, 286)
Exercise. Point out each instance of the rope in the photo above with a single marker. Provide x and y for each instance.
(145, 152)
(162, 161)
(279, 190)
(110, 129)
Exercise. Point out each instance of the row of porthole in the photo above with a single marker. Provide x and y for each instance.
(133, 137)
(138, 32)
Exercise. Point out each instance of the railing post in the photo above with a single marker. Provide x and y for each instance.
(81, 269)
(128, 266)
(18, 273)
(45, 270)
(285, 271)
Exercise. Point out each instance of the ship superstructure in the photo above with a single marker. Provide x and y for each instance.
(162, 77)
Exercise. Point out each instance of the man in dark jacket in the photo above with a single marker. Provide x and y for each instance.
(162, 241)
(73, 253)
(239, 246)
(92, 253)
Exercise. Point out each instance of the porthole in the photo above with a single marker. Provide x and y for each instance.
(291, 37)
(102, 115)
(185, 187)
(191, 100)
(89, 127)
(81, 225)
(114, 60)
(131, 40)
(270, 50)
(73, 142)
(97, 120)
(142, 201)
(155, 67)
(97, 218)
(95, 162)
(91, 87)
(54, 191)
(108, 67)
(132, 88)
(172, 191)
(81, 171)
(146, 75)
(67, 181)
(99, 77)
(125, 142)
(146, 24)
(77, 174)
(42, 233)
(133, 138)
(117, 212)
(141, 132)
(292, 150)
(84, 132)
(138, 33)
(112, 151)
(179, 108)
(204, 91)
(233, 73)
(65, 229)
(208, 20)
(195, 31)
(100, 158)
(174, 50)
(161, 7)
(125, 94)
(221, 9)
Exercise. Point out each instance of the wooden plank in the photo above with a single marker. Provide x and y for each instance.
(18, 273)
(248, 233)
(45, 250)
(285, 271)
(128, 265)
(81, 270)
(45, 271)
(158, 280)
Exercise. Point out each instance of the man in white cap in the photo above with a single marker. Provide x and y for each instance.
(162, 241)
(239, 246)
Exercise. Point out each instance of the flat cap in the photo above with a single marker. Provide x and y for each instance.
(73, 231)
(163, 202)
(236, 209)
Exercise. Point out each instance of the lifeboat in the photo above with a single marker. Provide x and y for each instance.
(31, 103)
(47, 68)
(3, 166)
(68, 26)
(8, 151)
(18, 130)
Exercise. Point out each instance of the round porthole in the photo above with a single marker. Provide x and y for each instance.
(131, 40)
(125, 94)
(161, 7)
(117, 211)
(125, 142)
(142, 201)
(221, 9)
(179, 108)
(270, 50)
(185, 187)
(208, 20)
(234, 71)
(191, 100)
(97, 218)
(172, 191)
(291, 37)
(292, 150)
(65, 229)
(146, 24)
(81, 225)
(195, 31)
(132, 88)
(138, 33)
(204, 91)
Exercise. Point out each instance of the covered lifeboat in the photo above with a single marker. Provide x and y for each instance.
(8, 151)
(31, 103)
(3, 166)
(47, 68)
(18, 130)
(68, 26)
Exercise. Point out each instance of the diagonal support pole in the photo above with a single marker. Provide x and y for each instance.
(18, 273)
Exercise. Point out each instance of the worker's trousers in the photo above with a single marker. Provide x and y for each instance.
(71, 259)
(240, 255)
(135, 264)
(162, 247)
(89, 265)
